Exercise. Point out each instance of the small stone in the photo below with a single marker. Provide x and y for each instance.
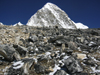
(60, 72)
(49, 70)
(81, 56)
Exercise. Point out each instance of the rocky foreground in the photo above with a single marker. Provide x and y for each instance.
(26, 50)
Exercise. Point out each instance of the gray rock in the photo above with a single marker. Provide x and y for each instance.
(39, 68)
(22, 67)
(73, 65)
(89, 61)
(9, 53)
(60, 72)
(33, 38)
(22, 50)
(72, 45)
(53, 39)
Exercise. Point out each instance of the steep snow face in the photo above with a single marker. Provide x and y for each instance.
(51, 15)
(19, 24)
(81, 26)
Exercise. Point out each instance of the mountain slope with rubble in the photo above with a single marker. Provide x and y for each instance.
(28, 50)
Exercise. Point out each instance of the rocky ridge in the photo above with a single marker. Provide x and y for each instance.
(28, 50)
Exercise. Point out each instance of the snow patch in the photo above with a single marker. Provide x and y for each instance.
(81, 26)
(36, 49)
(55, 69)
(94, 70)
(35, 59)
(47, 53)
(66, 57)
(95, 59)
(18, 65)
(91, 43)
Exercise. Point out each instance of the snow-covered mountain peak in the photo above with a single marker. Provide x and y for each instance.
(51, 15)
(1, 23)
(51, 6)
(48, 5)
(18, 24)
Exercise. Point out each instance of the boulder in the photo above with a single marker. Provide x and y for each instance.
(32, 38)
(22, 50)
(53, 39)
(22, 67)
(39, 69)
(90, 61)
(60, 72)
(9, 53)
(72, 45)
(73, 65)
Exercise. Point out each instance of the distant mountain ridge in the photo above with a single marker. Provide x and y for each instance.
(52, 15)
(1, 23)
(18, 24)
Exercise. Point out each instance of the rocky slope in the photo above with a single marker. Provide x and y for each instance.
(28, 50)
(52, 15)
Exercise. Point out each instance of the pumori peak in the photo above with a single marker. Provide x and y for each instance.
(52, 15)
(18, 24)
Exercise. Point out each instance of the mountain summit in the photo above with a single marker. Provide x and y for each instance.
(52, 15)
(18, 24)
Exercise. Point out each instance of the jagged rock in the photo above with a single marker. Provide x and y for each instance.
(60, 72)
(94, 32)
(53, 39)
(72, 45)
(9, 53)
(68, 51)
(39, 69)
(4, 63)
(89, 61)
(73, 65)
(44, 65)
(92, 44)
(22, 67)
(22, 50)
(33, 38)
(46, 61)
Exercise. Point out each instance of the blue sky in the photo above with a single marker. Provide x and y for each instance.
(84, 11)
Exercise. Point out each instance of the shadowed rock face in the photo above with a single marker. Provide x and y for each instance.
(51, 15)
